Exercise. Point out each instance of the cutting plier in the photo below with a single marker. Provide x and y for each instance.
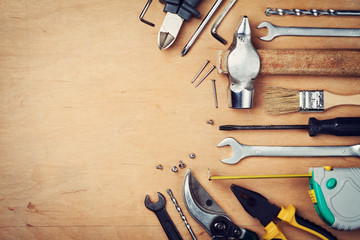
(259, 207)
(176, 12)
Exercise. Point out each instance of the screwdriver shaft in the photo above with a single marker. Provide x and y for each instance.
(261, 127)
(201, 27)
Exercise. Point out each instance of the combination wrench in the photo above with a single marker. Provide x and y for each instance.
(241, 151)
(275, 31)
(159, 209)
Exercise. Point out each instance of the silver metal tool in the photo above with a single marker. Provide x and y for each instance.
(174, 169)
(201, 27)
(242, 151)
(207, 74)
(215, 95)
(219, 20)
(141, 17)
(181, 214)
(275, 31)
(203, 208)
(176, 13)
(243, 66)
(312, 12)
(206, 63)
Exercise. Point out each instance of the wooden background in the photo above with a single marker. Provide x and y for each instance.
(89, 106)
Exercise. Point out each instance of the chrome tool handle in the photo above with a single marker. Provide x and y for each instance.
(321, 32)
(298, 151)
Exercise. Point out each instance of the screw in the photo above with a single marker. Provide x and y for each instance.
(192, 155)
(181, 164)
(159, 167)
(211, 122)
(174, 169)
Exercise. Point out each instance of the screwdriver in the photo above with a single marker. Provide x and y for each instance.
(342, 126)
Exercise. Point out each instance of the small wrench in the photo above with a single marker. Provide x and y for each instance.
(275, 31)
(242, 151)
(159, 209)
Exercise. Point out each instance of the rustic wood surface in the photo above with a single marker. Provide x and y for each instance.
(89, 106)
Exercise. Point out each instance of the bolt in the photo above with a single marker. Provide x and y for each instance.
(181, 164)
(174, 169)
(159, 167)
(220, 226)
(211, 122)
(192, 155)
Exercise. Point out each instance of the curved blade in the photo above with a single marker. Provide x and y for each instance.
(199, 203)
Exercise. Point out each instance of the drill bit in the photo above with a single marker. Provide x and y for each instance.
(181, 214)
(313, 12)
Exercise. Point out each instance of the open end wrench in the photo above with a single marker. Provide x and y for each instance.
(159, 209)
(275, 31)
(241, 151)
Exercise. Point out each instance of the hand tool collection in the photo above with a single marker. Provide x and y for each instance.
(335, 192)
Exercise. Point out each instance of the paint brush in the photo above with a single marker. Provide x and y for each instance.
(283, 100)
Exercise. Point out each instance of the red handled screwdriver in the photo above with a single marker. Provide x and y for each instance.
(342, 126)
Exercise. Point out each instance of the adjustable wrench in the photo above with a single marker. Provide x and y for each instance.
(242, 151)
(159, 209)
(275, 31)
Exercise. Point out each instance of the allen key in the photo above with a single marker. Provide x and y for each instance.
(219, 20)
(141, 17)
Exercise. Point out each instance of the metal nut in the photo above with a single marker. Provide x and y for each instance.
(174, 169)
(181, 164)
(159, 167)
(211, 122)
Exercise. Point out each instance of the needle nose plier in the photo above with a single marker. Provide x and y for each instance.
(259, 207)
(176, 12)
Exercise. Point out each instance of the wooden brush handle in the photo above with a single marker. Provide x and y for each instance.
(332, 100)
(309, 62)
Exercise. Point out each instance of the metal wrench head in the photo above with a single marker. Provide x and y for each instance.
(271, 31)
(155, 206)
(237, 150)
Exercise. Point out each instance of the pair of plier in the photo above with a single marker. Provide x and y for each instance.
(209, 214)
(176, 12)
(259, 207)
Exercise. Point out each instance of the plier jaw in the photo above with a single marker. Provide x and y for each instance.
(256, 205)
(176, 12)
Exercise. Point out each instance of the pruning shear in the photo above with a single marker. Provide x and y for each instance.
(259, 207)
(176, 12)
(209, 214)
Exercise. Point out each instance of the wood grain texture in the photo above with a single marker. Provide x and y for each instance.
(89, 106)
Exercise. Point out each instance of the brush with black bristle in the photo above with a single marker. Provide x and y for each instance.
(283, 100)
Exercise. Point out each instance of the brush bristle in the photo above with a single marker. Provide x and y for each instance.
(281, 100)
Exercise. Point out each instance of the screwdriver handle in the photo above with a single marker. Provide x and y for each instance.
(342, 126)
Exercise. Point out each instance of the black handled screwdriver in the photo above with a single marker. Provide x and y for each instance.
(342, 126)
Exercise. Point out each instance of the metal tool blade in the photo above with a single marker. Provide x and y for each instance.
(256, 204)
(199, 203)
(169, 30)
